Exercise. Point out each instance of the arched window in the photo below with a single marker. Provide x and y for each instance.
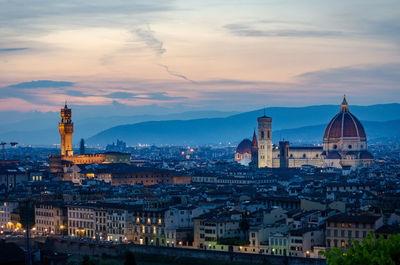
(268, 134)
(350, 146)
(262, 134)
(304, 156)
(335, 147)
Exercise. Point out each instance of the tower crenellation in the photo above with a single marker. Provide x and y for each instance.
(66, 129)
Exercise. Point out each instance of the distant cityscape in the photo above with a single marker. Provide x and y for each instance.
(254, 202)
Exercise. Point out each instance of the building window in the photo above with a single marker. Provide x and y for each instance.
(335, 147)
(350, 146)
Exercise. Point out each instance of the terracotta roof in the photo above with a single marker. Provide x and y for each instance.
(344, 124)
(244, 147)
(366, 155)
(363, 219)
(333, 155)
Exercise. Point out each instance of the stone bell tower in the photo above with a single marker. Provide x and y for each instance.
(264, 141)
(66, 128)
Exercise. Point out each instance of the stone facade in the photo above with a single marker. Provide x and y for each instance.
(344, 144)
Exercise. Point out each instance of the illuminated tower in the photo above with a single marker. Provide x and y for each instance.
(66, 128)
(264, 141)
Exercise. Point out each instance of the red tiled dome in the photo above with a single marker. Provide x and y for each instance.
(344, 124)
(244, 147)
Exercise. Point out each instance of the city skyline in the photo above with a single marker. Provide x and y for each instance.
(181, 55)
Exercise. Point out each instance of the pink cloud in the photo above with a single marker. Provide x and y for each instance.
(17, 104)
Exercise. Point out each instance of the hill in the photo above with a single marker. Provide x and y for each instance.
(301, 125)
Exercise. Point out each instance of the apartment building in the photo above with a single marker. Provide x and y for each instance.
(148, 226)
(215, 226)
(6, 209)
(179, 224)
(81, 221)
(119, 223)
(51, 218)
(340, 229)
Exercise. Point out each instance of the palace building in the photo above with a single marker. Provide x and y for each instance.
(67, 157)
(344, 144)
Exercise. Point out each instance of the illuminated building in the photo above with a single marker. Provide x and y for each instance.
(66, 129)
(344, 144)
(51, 218)
(67, 158)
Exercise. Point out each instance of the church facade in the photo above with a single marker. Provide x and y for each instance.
(344, 144)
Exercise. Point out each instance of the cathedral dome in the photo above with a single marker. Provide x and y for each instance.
(344, 125)
(244, 147)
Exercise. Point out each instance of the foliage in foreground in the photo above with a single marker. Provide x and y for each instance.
(233, 241)
(372, 251)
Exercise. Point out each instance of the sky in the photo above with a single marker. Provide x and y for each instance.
(172, 56)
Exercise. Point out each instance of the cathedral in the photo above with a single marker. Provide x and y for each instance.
(344, 144)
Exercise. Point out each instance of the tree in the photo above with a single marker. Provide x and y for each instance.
(372, 251)
(130, 259)
(82, 147)
(87, 261)
(27, 213)
(244, 226)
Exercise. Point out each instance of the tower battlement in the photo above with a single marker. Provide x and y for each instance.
(66, 129)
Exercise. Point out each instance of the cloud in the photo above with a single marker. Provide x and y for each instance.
(76, 93)
(364, 84)
(176, 74)
(379, 75)
(250, 31)
(42, 84)
(160, 96)
(148, 37)
(387, 28)
(12, 49)
(35, 17)
(34, 91)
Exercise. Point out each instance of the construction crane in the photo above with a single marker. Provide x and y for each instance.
(3, 144)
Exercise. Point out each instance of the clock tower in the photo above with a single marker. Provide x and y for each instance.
(66, 128)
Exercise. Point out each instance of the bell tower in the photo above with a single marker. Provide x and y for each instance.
(264, 141)
(66, 128)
